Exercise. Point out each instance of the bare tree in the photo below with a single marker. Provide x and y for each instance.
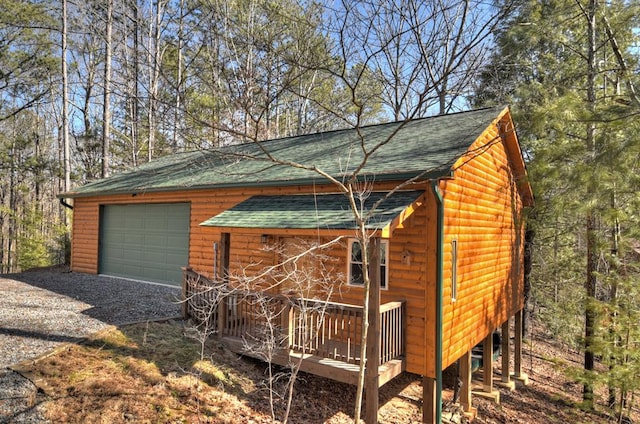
(65, 101)
(426, 54)
(203, 300)
(179, 75)
(155, 51)
(271, 308)
(106, 95)
(306, 279)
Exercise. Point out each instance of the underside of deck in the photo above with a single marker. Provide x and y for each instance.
(317, 365)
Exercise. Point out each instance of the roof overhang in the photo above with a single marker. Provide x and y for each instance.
(399, 176)
(331, 213)
(508, 131)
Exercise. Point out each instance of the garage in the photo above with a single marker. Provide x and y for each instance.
(148, 242)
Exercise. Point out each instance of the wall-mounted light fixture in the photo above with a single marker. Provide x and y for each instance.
(406, 257)
(265, 238)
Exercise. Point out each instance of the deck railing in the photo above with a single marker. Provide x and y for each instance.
(325, 329)
(200, 298)
(392, 331)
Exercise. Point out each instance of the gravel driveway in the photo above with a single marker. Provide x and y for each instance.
(39, 311)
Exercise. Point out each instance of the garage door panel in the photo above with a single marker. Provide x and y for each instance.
(133, 239)
(145, 241)
(119, 237)
(156, 240)
(130, 255)
(155, 223)
(178, 242)
(174, 259)
(154, 257)
(155, 274)
(131, 222)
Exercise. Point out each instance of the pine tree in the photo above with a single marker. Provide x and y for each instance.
(565, 66)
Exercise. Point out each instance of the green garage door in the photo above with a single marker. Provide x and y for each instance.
(147, 242)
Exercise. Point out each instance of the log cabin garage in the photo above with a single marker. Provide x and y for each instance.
(449, 226)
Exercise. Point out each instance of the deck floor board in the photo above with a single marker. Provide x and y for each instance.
(317, 365)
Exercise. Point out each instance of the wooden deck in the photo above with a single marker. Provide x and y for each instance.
(318, 365)
(323, 337)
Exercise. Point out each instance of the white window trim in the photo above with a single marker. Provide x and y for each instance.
(384, 243)
(454, 270)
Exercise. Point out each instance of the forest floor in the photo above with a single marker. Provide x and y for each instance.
(152, 372)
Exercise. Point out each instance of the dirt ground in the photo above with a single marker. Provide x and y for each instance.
(153, 373)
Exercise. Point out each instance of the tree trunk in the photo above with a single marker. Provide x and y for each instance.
(154, 66)
(106, 108)
(65, 105)
(364, 336)
(176, 112)
(591, 220)
(134, 100)
(529, 237)
(373, 335)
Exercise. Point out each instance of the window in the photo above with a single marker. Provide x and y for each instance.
(454, 270)
(355, 263)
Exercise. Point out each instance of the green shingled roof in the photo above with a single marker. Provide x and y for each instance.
(321, 211)
(429, 145)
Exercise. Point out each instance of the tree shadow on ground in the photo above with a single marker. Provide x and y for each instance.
(114, 301)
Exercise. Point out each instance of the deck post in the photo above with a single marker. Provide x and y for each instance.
(517, 345)
(286, 323)
(466, 371)
(429, 400)
(184, 308)
(517, 349)
(373, 336)
(225, 247)
(505, 380)
(487, 371)
(487, 363)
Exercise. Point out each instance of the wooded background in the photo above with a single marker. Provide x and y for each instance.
(95, 87)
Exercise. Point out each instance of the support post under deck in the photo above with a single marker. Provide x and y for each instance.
(429, 400)
(466, 371)
(505, 380)
(517, 350)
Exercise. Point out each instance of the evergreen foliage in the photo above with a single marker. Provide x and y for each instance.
(33, 248)
(199, 74)
(541, 66)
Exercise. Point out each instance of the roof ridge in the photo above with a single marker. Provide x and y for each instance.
(347, 129)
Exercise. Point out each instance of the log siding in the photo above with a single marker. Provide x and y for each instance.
(483, 212)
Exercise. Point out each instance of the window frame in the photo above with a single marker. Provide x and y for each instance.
(454, 270)
(384, 246)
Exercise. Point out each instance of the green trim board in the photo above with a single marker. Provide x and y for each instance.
(313, 211)
(395, 151)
